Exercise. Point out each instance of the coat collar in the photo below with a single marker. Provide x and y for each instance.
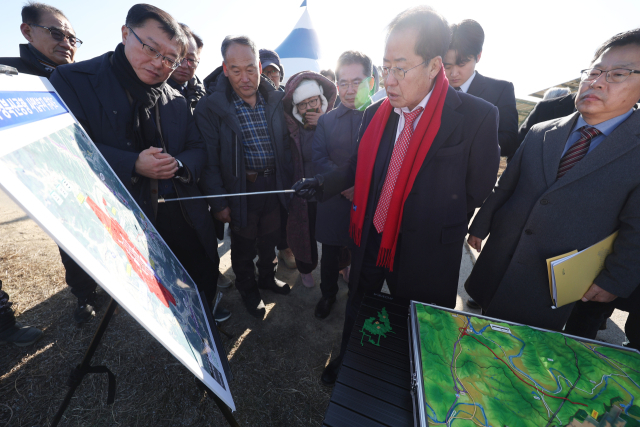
(478, 85)
(623, 139)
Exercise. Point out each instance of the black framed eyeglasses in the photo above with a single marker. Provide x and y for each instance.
(59, 36)
(191, 63)
(152, 53)
(398, 73)
(617, 75)
(272, 72)
(309, 104)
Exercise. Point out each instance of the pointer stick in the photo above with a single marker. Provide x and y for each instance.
(163, 200)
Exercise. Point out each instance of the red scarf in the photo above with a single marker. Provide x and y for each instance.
(419, 146)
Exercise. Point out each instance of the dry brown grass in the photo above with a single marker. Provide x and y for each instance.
(276, 366)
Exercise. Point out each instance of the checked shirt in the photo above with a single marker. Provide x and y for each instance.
(258, 147)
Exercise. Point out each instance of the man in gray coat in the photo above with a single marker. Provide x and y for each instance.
(242, 123)
(572, 183)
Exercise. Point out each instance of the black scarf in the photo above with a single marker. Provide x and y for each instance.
(142, 126)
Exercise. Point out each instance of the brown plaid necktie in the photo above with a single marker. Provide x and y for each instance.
(578, 150)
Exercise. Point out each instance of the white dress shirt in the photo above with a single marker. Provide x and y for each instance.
(464, 87)
(399, 111)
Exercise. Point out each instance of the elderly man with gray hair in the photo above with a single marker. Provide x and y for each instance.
(242, 123)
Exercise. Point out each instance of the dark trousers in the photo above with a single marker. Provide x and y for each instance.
(371, 279)
(183, 241)
(260, 235)
(305, 267)
(284, 216)
(81, 284)
(7, 320)
(586, 318)
(334, 259)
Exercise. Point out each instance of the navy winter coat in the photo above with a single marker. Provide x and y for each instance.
(95, 97)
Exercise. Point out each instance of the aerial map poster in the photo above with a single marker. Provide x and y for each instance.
(50, 167)
(477, 371)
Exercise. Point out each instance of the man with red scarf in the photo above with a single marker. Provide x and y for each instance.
(427, 156)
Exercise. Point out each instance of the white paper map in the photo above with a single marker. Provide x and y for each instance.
(50, 167)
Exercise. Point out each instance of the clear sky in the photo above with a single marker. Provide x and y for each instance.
(534, 44)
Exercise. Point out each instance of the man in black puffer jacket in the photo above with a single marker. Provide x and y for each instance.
(242, 123)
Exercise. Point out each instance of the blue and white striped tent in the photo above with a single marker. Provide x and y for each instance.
(300, 51)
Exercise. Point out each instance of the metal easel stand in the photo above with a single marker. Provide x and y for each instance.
(84, 368)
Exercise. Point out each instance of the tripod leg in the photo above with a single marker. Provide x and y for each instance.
(224, 409)
(79, 372)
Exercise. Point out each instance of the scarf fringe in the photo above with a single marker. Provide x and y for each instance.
(385, 258)
(356, 233)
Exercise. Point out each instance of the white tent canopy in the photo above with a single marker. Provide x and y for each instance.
(300, 51)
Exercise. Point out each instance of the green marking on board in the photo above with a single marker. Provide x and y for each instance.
(379, 327)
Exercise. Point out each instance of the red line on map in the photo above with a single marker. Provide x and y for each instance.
(137, 261)
(463, 331)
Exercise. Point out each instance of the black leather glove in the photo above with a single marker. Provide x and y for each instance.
(309, 187)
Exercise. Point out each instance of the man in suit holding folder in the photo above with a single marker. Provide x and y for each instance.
(572, 183)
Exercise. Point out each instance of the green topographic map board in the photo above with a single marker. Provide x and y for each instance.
(483, 372)
(51, 168)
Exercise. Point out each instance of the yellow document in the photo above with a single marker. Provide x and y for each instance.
(550, 271)
(573, 274)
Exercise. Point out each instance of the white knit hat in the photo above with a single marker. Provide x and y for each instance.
(306, 89)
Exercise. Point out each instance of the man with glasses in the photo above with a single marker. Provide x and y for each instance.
(573, 182)
(334, 143)
(145, 131)
(184, 78)
(426, 156)
(52, 41)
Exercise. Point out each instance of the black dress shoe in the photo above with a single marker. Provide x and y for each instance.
(274, 285)
(86, 309)
(323, 308)
(253, 302)
(471, 303)
(221, 314)
(330, 373)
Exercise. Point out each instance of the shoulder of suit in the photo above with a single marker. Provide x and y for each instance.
(496, 82)
(546, 125)
(14, 62)
(373, 108)
(90, 66)
(473, 102)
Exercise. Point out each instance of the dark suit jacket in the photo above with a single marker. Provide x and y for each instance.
(456, 176)
(95, 97)
(549, 109)
(501, 94)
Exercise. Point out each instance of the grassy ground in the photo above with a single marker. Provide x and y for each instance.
(276, 363)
